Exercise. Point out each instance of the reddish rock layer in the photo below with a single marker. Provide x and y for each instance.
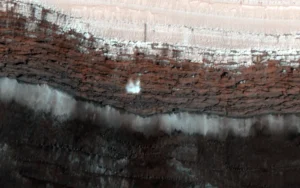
(68, 61)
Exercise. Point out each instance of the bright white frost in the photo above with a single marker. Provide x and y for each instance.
(44, 98)
(133, 87)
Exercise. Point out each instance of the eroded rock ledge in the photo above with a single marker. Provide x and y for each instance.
(69, 61)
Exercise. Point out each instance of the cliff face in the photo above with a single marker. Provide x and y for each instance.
(69, 61)
(39, 150)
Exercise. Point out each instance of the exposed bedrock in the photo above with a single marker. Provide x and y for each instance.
(69, 61)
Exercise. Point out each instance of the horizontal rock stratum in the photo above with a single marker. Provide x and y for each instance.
(216, 31)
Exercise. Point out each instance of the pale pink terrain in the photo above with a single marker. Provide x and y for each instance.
(209, 23)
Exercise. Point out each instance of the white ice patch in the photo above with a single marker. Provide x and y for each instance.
(133, 87)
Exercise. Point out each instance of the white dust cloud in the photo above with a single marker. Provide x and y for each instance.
(133, 87)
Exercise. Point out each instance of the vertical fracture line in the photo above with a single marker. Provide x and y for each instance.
(145, 32)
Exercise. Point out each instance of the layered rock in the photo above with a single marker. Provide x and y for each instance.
(220, 32)
(37, 149)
